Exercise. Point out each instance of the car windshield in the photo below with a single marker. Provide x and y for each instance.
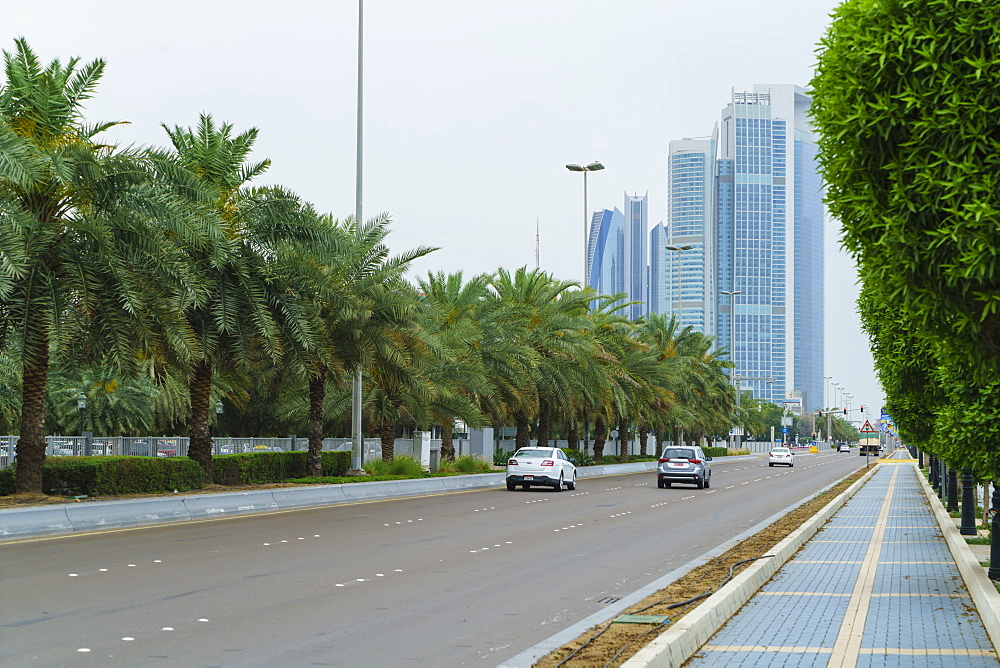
(678, 453)
(529, 452)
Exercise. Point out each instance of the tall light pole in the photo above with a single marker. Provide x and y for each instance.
(732, 353)
(677, 278)
(592, 167)
(356, 462)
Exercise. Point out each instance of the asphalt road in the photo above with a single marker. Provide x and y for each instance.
(469, 578)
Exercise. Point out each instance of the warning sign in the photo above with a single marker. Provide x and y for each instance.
(868, 427)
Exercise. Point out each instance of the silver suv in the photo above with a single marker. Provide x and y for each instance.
(682, 463)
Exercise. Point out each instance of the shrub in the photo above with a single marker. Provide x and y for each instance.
(101, 476)
(254, 468)
(465, 464)
(500, 457)
(403, 465)
(716, 452)
(8, 483)
(579, 457)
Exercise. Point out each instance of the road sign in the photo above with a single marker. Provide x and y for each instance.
(868, 428)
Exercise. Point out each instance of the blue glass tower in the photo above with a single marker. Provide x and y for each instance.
(689, 274)
(770, 234)
(606, 252)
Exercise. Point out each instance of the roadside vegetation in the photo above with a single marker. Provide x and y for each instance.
(180, 294)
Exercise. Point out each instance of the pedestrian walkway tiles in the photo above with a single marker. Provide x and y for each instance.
(877, 586)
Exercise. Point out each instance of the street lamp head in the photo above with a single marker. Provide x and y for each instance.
(592, 167)
(218, 407)
(81, 401)
(731, 292)
(679, 248)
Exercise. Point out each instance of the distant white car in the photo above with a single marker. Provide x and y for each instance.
(782, 456)
(844, 447)
(540, 466)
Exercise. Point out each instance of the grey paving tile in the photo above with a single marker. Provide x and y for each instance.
(916, 603)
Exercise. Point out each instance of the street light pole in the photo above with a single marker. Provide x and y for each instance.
(356, 454)
(592, 167)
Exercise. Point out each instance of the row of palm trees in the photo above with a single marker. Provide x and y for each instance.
(166, 278)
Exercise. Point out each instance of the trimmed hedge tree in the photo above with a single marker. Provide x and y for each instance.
(907, 100)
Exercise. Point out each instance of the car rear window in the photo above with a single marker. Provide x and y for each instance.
(533, 453)
(678, 453)
(780, 450)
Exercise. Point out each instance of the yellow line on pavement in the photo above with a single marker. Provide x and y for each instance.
(848, 644)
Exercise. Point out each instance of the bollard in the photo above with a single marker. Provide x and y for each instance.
(920, 459)
(994, 572)
(952, 490)
(968, 526)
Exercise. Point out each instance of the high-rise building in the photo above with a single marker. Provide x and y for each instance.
(636, 226)
(770, 221)
(689, 273)
(606, 252)
(748, 200)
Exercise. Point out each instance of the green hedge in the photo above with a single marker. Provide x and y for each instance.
(716, 452)
(8, 485)
(254, 468)
(102, 476)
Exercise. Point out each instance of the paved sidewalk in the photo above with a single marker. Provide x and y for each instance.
(877, 586)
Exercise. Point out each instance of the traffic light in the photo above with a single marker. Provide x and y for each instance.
(845, 411)
(862, 408)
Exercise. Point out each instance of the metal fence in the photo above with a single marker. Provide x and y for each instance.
(166, 446)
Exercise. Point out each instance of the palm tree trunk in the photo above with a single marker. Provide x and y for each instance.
(447, 444)
(572, 436)
(623, 438)
(387, 432)
(644, 439)
(317, 394)
(544, 423)
(31, 444)
(200, 390)
(599, 430)
(521, 437)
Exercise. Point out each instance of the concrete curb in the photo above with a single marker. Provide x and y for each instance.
(984, 594)
(682, 640)
(70, 518)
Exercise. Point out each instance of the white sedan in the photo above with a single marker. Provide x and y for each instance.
(540, 466)
(782, 456)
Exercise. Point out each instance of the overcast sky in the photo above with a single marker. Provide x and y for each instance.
(472, 109)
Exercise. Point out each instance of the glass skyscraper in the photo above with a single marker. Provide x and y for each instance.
(749, 202)
(688, 275)
(636, 224)
(770, 222)
(606, 252)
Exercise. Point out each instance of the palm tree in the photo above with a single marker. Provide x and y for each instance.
(369, 312)
(450, 310)
(249, 309)
(551, 319)
(90, 242)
